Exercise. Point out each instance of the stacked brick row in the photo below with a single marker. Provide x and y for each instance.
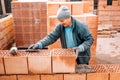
(91, 5)
(42, 62)
(91, 76)
(109, 17)
(30, 21)
(106, 68)
(83, 14)
(45, 64)
(6, 32)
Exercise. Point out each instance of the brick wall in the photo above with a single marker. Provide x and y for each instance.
(42, 62)
(30, 21)
(6, 32)
(109, 15)
(19, 67)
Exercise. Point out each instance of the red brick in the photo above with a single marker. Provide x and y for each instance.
(80, 17)
(52, 77)
(57, 44)
(52, 8)
(94, 34)
(92, 59)
(39, 62)
(90, 19)
(93, 50)
(63, 61)
(100, 68)
(28, 77)
(74, 76)
(77, 8)
(16, 64)
(2, 53)
(8, 77)
(102, 3)
(115, 3)
(23, 20)
(97, 76)
(51, 25)
(86, 6)
(115, 76)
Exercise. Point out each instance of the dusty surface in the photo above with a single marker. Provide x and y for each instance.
(108, 50)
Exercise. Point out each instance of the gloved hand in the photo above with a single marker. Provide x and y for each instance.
(13, 50)
(33, 46)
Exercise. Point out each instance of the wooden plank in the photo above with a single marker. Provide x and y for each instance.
(3, 7)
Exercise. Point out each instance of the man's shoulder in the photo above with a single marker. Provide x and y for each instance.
(79, 22)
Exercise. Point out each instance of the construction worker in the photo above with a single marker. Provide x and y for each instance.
(72, 33)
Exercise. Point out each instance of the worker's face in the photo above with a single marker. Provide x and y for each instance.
(66, 22)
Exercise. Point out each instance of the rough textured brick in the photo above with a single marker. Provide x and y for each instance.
(63, 60)
(52, 8)
(115, 76)
(86, 7)
(77, 8)
(115, 3)
(16, 64)
(8, 77)
(92, 59)
(106, 67)
(2, 53)
(74, 76)
(97, 76)
(28, 77)
(52, 77)
(39, 62)
(52, 23)
(94, 34)
(36, 14)
(90, 19)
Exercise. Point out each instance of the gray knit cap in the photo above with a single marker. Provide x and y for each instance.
(63, 13)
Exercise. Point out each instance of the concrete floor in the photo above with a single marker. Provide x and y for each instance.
(108, 50)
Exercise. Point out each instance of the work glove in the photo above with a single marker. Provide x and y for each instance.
(13, 50)
(33, 46)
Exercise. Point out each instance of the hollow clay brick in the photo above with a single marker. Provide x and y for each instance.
(39, 62)
(97, 76)
(63, 60)
(74, 76)
(28, 77)
(8, 77)
(115, 76)
(16, 64)
(52, 77)
(2, 53)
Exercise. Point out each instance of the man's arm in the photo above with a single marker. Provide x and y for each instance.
(50, 38)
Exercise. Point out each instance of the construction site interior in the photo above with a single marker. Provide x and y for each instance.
(24, 22)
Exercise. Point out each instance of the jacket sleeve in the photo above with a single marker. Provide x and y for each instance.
(50, 38)
(86, 36)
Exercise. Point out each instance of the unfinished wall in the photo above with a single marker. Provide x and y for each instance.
(6, 32)
(109, 17)
(59, 65)
(30, 21)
